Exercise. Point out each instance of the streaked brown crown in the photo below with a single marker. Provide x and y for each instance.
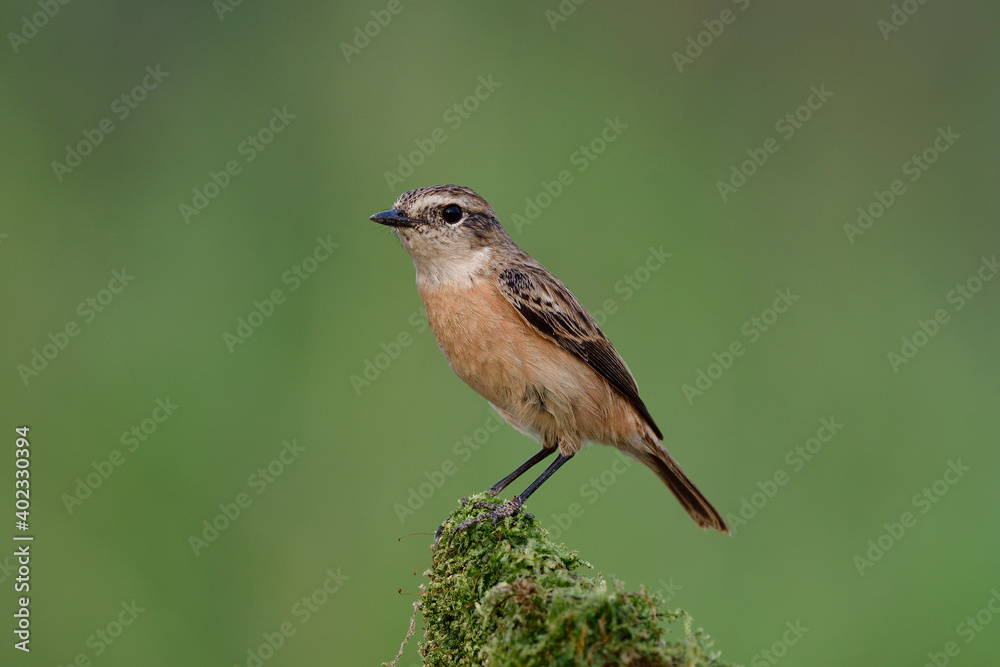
(428, 204)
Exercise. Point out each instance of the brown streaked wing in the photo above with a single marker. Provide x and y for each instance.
(553, 311)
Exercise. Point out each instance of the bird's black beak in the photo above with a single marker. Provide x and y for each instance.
(394, 218)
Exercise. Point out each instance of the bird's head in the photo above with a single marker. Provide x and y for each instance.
(444, 227)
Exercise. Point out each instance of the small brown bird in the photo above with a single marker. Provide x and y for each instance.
(514, 333)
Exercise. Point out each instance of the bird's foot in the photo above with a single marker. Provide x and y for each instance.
(437, 534)
(497, 513)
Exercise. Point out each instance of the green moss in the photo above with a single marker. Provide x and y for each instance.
(507, 595)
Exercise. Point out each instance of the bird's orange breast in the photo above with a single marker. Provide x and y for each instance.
(538, 386)
(481, 335)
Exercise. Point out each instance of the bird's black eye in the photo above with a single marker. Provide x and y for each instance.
(452, 214)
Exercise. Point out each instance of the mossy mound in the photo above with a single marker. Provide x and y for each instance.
(506, 595)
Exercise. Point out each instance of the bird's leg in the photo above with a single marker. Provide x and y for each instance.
(523, 468)
(509, 508)
(541, 455)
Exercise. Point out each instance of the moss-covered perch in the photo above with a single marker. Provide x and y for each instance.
(506, 595)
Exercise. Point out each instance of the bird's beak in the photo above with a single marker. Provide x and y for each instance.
(394, 218)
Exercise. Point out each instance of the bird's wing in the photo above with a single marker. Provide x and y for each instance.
(553, 311)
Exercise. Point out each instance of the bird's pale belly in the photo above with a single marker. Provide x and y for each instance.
(536, 385)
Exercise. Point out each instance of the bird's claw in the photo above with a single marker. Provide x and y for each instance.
(437, 536)
(508, 509)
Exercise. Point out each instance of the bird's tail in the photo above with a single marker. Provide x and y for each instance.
(657, 459)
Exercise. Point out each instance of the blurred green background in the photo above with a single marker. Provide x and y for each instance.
(310, 114)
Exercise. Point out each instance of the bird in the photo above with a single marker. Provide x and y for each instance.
(515, 334)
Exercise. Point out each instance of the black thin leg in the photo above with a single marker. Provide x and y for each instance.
(509, 508)
(555, 465)
(525, 467)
